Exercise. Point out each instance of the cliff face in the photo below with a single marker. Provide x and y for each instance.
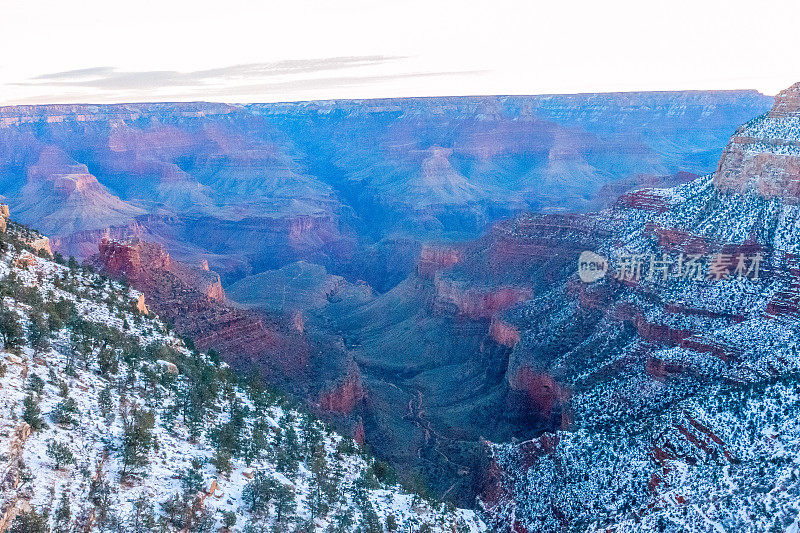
(136, 258)
(663, 386)
(787, 103)
(60, 196)
(192, 300)
(763, 157)
(257, 187)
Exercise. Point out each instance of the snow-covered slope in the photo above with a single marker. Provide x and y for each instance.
(108, 421)
(679, 394)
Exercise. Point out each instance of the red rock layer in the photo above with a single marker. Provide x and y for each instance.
(645, 200)
(504, 333)
(478, 303)
(787, 102)
(245, 338)
(762, 158)
(344, 397)
(432, 259)
(544, 393)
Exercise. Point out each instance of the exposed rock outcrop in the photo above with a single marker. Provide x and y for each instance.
(256, 187)
(10, 476)
(60, 197)
(133, 259)
(787, 103)
(248, 340)
(763, 157)
(344, 397)
(435, 258)
(4, 214)
(478, 303)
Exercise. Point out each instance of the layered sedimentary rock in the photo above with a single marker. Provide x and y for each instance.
(257, 187)
(60, 196)
(194, 305)
(787, 103)
(134, 259)
(191, 299)
(435, 258)
(666, 383)
(476, 302)
(344, 397)
(763, 157)
(451, 349)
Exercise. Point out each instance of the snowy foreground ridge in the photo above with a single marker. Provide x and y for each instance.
(110, 422)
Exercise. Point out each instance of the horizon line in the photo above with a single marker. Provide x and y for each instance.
(380, 98)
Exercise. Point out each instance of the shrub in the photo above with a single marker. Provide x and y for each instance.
(31, 412)
(65, 412)
(29, 522)
(10, 329)
(60, 453)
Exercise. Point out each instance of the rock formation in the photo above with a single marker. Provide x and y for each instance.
(4, 214)
(460, 343)
(787, 103)
(134, 259)
(60, 196)
(763, 157)
(257, 187)
(644, 375)
(190, 298)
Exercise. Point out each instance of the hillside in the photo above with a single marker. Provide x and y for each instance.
(112, 422)
(674, 387)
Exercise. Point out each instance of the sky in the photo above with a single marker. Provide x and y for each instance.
(101, 51)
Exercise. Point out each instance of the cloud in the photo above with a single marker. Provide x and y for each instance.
(110, 78)
(297, 79)
(80, 73)
(276, 90)
(322, 84)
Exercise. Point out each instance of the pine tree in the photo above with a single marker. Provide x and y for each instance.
(38, 331)
(143, 518)
(258, 492)
(370, 523)
(29, 522)
(60, 453)
(343, 522)
(284, 502)
(228, 519)
(322, 488)
(137, 439)
(106, 404)
(65, 412)
(36, 384)
(222, 462)
(108, 361)
(32, 413)
(63, 515)
(192, 479)
(11, 331)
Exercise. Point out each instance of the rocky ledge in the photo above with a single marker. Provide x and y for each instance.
(763, 157)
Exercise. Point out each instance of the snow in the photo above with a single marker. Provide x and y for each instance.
(95, 441)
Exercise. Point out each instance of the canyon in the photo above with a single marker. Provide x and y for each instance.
(406, 267)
